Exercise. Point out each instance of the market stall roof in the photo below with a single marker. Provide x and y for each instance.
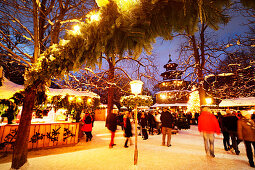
(63, 92)
(246, 101)
(169, 105)
(8, 89)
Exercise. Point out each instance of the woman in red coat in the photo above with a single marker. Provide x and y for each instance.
(87, 127)
(208, 125)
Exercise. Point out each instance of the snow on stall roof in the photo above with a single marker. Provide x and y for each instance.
(56, 92)
(8, 89)
(245, 101)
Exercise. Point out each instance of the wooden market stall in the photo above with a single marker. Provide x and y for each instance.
(51, 130)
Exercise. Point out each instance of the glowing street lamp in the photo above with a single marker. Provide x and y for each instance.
(136, 88)
(208, 101)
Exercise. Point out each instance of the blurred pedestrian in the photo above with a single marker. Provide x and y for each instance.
(87, 127)
(208, 125)
(166, 125)
(246, 132)
(224, 132)
(111, 124)
(230, 122)
(144, 126)
(127, 129)
(158, 122)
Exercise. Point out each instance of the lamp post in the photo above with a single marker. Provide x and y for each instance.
(136, 88)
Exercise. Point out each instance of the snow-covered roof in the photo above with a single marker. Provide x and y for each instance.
(169, 105)
(8, 89)
(247, 101)
(56, 92)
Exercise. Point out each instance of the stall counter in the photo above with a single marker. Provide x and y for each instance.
(42, 135)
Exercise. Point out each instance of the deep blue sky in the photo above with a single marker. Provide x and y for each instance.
(163, 48)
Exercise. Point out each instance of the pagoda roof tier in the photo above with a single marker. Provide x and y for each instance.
(170, 66)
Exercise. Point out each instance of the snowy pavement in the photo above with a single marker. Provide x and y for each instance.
(187, 152)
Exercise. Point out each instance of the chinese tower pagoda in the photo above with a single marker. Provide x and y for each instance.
(173, 91)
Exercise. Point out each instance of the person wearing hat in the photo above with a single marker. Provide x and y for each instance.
(246, 132)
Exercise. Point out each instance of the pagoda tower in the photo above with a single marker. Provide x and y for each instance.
(173, 91)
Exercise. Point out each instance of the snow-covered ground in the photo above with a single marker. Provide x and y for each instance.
(187, 152)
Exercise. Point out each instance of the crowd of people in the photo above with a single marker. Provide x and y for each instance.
(235, 126)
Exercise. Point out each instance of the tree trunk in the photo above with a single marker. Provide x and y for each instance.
(21, 144)
(36, 32)
(111, 88)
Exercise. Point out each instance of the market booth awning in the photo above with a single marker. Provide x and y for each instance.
(235, 102)
(8, 89)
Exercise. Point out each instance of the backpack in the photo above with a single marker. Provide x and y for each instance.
(87, 120)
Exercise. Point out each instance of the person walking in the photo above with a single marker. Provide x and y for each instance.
(151, 122)
(158, 122)
(224, 132)
(144, 126)
(208, 125)
(166, 125)
(246, 132)
(87, 126)
(230, 122)
(127, 129)
(111, 124)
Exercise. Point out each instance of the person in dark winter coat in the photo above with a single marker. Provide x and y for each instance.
(246, 132)
(111, 124)
(208, 125)
(87, 127)
(151, 122)
(166, 125)
(224, 132)
(127, 129)
(143, 125)
(230, 122)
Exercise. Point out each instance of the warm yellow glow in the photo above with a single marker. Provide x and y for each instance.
(163, 96)
(124, 5)
(89, 100)
(208, 101)
(71, 99)
(93, 16)
(77, 29)
(78, 99)
(136, 86)
(101, 3)
(164, 84)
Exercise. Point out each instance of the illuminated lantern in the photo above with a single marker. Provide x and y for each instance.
(136, 86)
